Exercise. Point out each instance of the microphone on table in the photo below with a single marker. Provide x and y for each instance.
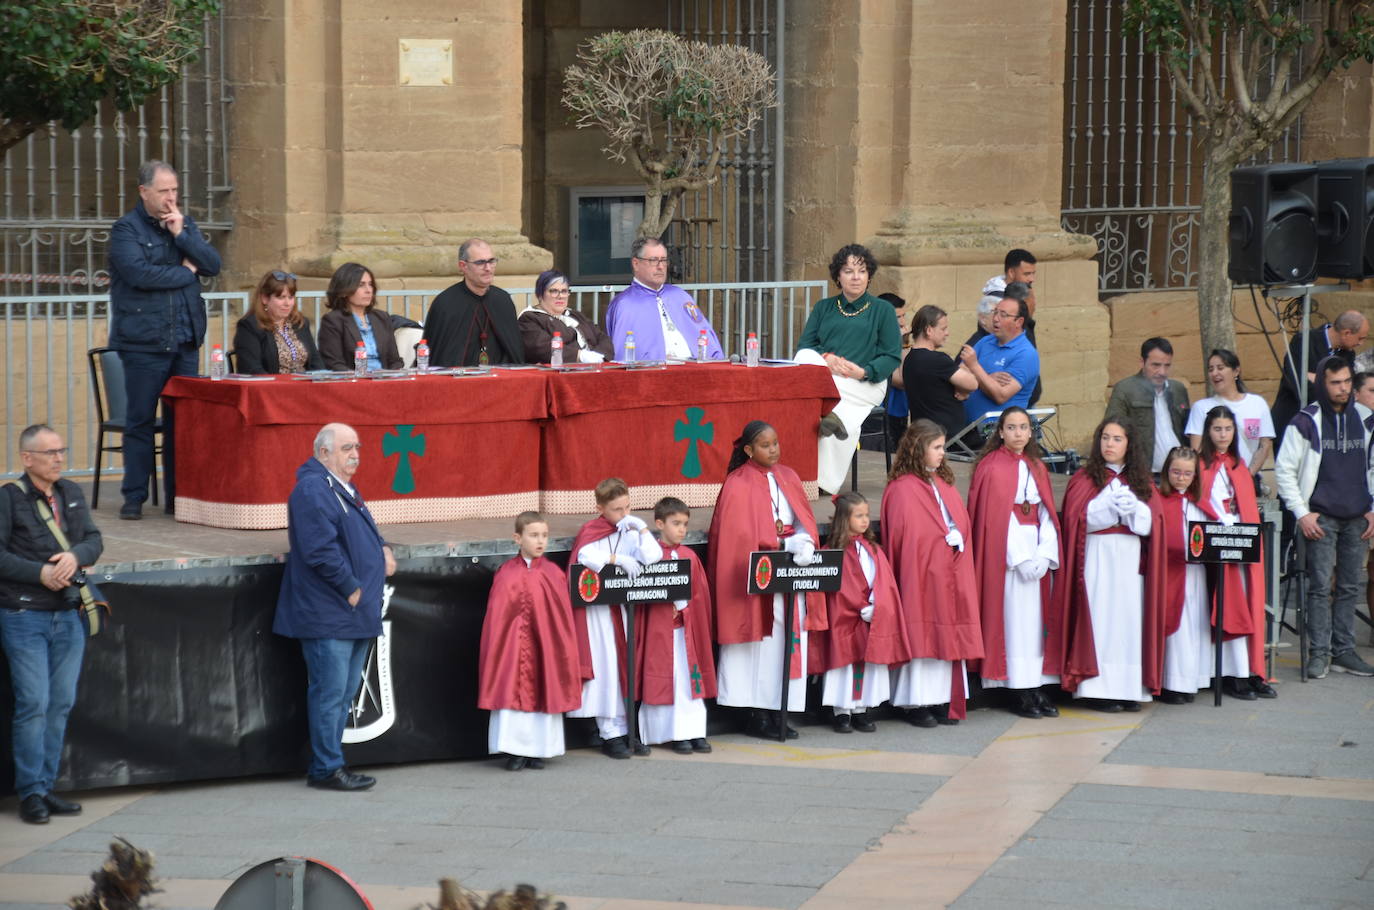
(734, 358)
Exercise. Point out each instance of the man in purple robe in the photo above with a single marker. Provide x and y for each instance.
(666, 322)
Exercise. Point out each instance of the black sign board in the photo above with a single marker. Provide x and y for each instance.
(665, 580)
(1212, 541)
(774, 572)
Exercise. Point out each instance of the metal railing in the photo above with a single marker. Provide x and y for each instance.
(44, 340)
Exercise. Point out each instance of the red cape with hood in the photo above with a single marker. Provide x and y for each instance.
(654, 641)
(1244, 613)
(990, 499)
(937, 583)
(1070, 648)
(528, 660)
(1174, 506)
(850, 640)
(743, 523)
(596, 529)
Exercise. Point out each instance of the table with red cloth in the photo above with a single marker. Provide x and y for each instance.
(434, 448)
(444, 448)
(642, 426)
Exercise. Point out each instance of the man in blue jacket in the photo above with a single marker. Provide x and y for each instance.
(331, 595)
(157, 319)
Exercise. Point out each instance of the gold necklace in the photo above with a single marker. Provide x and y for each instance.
(839, 304)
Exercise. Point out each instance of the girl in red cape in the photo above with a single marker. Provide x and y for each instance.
(1187, 612)
(527, 670)
(673, 649)
(1109, 599)
(761, 507)
(1015, 546)
(864, 619)
(1228, 496)
(926, 536)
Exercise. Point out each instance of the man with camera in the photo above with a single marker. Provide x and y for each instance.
(40, 597)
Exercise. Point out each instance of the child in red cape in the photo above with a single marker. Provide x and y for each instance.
(864, 616)
(527, 670)
(926, 537)
(1015, 545)
(761, 507)
(673, 650)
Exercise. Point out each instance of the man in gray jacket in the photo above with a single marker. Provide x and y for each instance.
(1154, 405)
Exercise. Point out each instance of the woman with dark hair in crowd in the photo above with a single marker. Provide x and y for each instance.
(583, 340)
(352, 317)
(274, 335)
(1254, 426)
(1109, 598)
(936, 385)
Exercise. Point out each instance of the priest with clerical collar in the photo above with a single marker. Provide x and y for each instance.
(665, 320)
(473, 323)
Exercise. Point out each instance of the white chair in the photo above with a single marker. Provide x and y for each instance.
(406, 340)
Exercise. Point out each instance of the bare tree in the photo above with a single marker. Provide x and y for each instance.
(1245, 69)
(668, 106)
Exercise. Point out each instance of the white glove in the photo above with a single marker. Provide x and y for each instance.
(630, 565)
(632, 524)
(1228, 519)
(955, 539)
(1042, 565)
(586, 356)
(1025, 570)
(1125, 502)
(866, 614)
(805, 555)
(680, 605)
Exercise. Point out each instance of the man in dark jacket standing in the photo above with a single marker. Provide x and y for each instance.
(331, 595)
(41, 633)
(157, 319)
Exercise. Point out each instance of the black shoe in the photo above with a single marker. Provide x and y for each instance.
(844, 723)
(1105, 706)
(131, 511)
(942, 717)
(1047, 707)
(863, 724)
(617, 747)
(342, 779)
(1236, 689)
(1131, 707)
(641, 749)
(1262, 688)
(1188, 697)
(1026, 705)
(517, 763)
(1170, 697)
(681, 746)
(922, 717)
(33, 810)
(534, 764)
(59, 806)
(700, 745)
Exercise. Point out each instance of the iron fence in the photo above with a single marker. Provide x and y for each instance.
(45, 339)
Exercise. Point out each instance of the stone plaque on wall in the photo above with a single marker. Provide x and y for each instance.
(426, 61)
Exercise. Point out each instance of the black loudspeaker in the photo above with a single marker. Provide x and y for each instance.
(1273, 227)
(1345, 218)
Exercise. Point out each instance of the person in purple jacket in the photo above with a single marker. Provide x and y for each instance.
(666, 322)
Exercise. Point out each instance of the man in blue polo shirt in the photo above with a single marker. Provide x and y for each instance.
(1005, 363)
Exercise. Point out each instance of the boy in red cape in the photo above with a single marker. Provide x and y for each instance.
(761, 507)
(614, 537)
(1015, 545)
(925, 535)
(1110, 599)
(527, 671)
(673, 650)
(864, 618)
(1227, 494)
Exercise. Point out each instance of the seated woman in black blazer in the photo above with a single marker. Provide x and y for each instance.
(583, 340)
(274, 335)
(351, 318)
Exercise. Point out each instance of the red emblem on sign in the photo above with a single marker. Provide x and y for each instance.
(588, 585)
(763, 572)
(1195, 541)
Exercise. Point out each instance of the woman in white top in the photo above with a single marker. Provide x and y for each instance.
(1254, 426)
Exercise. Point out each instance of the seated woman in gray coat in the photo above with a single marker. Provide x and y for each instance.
(351, 318)
(274, 335)
(583, 340)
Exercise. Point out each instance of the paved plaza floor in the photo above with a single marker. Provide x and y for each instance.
(1251, 805)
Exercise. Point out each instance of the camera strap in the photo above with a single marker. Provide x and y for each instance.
(89, 604)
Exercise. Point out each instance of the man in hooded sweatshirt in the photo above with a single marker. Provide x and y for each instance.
(1325, 478)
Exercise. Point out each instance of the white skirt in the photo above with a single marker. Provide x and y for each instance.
(1116, 603)
(857, 401)
(749, 674)
(601, 695)
(685, 718)
(838, 688)
(924, 681)
(1024, 633)
(525, 733)
(1189, 655)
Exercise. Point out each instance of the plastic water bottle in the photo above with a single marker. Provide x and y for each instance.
(703, 346)
(360, 360)
(751, 350)
(630, 347)
(556, 350)
(218, 368)
(422, 355)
